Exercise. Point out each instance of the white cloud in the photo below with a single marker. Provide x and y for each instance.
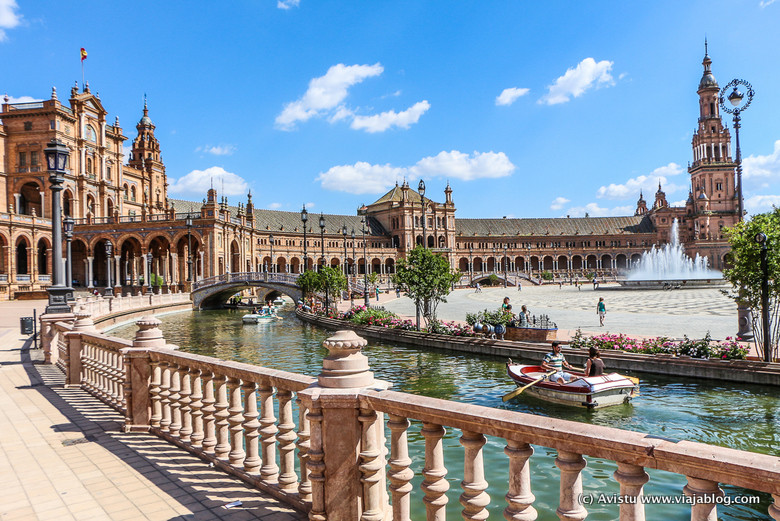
(361, 178)
(587, 74)
(646, 183)
(8, 18)
(385, 120)
(365, 178)
(287, 4)
(20, 99)
(325, 93)
(274, 206)
(594, 210)
(766, 3)
(219, 150)
(508, 96)
(558, 203)
(198, 182)
(762, 168)
(761, 203)
(462, 166)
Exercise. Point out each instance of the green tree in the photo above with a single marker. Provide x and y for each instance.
(332, 280)
(309, 282)
(426, 278)
(746, 274)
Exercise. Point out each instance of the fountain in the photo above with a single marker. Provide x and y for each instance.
(669, 267)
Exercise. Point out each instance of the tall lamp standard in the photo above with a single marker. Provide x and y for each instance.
(365, 266)
(528, 259)
(761, 239)
(471, 265)
(59, 293)
(188, 222)
(304, 218)
(737, 107)
(109, 291)
(421, 189)
(354, 272)
(149, 258)
(344, 234)
(271, 242)
(68, 223)
(504, 262)
(322, 245)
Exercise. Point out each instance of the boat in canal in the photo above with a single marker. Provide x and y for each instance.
(591, 392)
(266, 315)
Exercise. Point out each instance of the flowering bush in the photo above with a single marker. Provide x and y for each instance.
(450, 328)
(702, 348)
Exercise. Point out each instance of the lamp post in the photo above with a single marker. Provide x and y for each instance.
(354, 272)
(149, 258)
(735, 98)
(421, 189)
(68, 224)
(304, 218)
(528, 258)
(471, 265)
(189, 248)
(322, 246)
(365, 265)
(504, 263)
(494, 259)
(271, 242)
(109, 291)
(59, 293)
(344, 234)
(570, 265)
(761, 239)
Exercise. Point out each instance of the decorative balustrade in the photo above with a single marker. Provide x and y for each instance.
(225, 413)
(246, 276)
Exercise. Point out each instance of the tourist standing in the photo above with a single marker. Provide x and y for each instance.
(478, 289)
(601, 310)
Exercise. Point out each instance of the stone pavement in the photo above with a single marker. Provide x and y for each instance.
(63, 456)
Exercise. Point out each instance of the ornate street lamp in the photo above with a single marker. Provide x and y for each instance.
(736, 98)
(59, 293)
(68, 223)
(421, 189)
(528, 258)
(188, 222)
(322, 245)
(761, 239)
(304, 218)
(504, 263)
(344, 234)
(471, 265)
(365, 265)
(149, 258)
(109, 291)
(271, 242)
(354, 271)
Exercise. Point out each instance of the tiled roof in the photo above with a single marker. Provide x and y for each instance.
(396, 194)
(554, 226)
(276, 221)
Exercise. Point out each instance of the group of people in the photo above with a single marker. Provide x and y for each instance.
(554, 362)
(522, 319)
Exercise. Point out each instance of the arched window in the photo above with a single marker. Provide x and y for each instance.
(132, 193)
(126, 194)
(91, 134)
(89, 165)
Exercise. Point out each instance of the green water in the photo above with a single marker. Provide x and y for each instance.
(745, 417)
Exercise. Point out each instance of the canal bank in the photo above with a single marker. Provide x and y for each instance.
(743, 371)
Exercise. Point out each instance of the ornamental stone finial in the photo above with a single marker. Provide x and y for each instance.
(345, 367)
(148, 334)
(83, 320)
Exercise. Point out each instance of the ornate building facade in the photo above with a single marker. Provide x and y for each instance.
(126, 204)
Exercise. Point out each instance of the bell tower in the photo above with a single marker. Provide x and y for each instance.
(145, 156)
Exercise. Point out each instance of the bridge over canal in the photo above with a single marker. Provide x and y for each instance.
(214, 291)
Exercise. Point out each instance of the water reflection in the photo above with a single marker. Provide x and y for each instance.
(740, 416)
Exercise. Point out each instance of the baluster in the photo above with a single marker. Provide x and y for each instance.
(209, 430)
(371, 463)
(269, 471)
(303, 444)
(251, 425)
(519, 497)
(571, 465)
(632, 479)
(186, 410)
(400, 474)
(434, 486)
(154, 392)
(235, 419)
(119, 378)
(474, 498)
(701, 490)
(100, 387)
(196, 405)
(165, 393)
(221, 424)
(316, 466)
(288, 480)
(175, 396)
(774, 508)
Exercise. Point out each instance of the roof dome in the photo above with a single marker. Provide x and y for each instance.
(707, 79)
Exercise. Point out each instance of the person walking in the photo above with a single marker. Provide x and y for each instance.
(601, 310)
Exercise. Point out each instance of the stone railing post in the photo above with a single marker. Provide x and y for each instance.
(345, 457)
(704, 492)
(49, 334)
(571, 465)
(632, 479)
(83, 323)
(142, 379)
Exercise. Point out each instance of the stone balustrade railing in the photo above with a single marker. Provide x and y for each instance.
(100, 306)
(225, 413)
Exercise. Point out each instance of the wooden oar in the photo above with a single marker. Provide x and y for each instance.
(519, 390)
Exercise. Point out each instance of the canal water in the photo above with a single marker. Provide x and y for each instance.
(745, 417)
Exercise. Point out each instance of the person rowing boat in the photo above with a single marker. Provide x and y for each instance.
(555, 361)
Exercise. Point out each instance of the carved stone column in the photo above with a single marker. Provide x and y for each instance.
(519, 496)
(703, 489)
(571, 465)
(632, 479)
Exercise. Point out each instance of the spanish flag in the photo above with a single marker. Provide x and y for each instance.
(83, 54)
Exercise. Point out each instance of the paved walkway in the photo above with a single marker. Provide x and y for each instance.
(63, 456)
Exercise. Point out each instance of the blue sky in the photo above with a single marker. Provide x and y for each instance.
(528, 109)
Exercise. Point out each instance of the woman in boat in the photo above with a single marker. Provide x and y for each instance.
(595, 365)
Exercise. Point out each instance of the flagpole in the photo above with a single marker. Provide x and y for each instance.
(82, 73)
